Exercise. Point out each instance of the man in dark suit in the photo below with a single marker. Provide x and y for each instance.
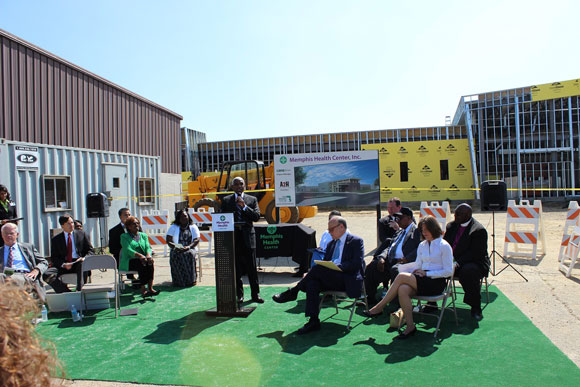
(347, 252)
(21, 259)
(468, 238)
(67, 252)
(116, 232)
(246, 212)
(402, 248)
(387, 225)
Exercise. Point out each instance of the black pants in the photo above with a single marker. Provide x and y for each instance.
(470, 276)
(318, 279)
(52, 277)
(245, 264)
(145, 271)
(373, 277)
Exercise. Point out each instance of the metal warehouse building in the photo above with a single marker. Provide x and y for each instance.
(87, 134)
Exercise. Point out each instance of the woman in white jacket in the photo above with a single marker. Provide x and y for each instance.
(425, 277)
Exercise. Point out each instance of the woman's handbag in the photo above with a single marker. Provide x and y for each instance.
(397, 319)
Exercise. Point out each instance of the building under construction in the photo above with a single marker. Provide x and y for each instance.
(528, 141)
(527, 137)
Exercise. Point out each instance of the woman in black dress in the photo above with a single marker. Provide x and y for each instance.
(7, 208)
(182, 238)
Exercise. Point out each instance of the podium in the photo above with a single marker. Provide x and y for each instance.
(225, 270)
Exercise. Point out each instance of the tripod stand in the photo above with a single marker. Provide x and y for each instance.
(494, 252)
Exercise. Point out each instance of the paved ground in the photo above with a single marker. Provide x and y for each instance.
(549, 299)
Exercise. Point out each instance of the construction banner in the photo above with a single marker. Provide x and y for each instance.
(555, 90)
(336, 179)
(425, 170)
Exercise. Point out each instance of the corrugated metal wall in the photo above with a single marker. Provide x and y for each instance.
(27, 191)
(47, 100)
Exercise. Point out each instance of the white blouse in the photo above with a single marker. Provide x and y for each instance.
(174, 232)
(436, 258)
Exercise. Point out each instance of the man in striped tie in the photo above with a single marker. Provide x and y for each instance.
(67, 252)
(346, 251)
(20, 262)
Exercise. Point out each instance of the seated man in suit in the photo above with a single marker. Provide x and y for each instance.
(402, 248)
(67, 252)
(468, 239)
(387, 225)
(21, 263)
(347, 252)
(116, 232)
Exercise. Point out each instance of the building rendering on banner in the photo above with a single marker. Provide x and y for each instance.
(86, 134)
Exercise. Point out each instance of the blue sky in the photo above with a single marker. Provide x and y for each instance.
(367, 171)
(248, 69)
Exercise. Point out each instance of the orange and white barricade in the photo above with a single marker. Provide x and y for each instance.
(441, 212)
(203, 218)
(524, 227)
(570, 255)
(572, 220)
(155, 224)
(200, 218)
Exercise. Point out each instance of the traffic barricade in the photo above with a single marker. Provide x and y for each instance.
(524, 229)
(441, 212)
(155, 224)
(572, 220)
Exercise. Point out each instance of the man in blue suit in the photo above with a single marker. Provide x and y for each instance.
(347, 252)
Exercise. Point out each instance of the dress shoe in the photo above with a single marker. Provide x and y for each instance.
(310, 326)
(257, 299)
(287, 296)
(154, 292)
(476, 314)
(403, 336)
(371, 315)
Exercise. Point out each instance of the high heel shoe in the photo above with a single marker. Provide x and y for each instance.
(403, 336)
(372, 315)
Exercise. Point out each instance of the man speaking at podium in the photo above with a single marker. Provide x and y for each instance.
(346, 251)
(246, 212)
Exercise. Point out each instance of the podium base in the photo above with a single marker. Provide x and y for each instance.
(240, 312)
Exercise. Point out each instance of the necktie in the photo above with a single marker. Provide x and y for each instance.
(10, 257)
(393, 249)
(69, 249)
(336, 252)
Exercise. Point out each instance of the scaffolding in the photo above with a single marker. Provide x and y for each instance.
(531, 145)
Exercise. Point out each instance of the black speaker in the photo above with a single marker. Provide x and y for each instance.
(493, 195)
(97, 205)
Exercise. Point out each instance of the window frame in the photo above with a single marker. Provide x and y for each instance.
(141, 199)
(54, 178)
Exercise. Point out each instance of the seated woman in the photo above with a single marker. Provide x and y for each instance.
(136, 255)
(424, 277)
(182, 238)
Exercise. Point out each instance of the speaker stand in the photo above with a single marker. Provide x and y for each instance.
(100, 250)
(495, 253)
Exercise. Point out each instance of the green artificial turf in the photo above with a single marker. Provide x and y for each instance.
(171, 341)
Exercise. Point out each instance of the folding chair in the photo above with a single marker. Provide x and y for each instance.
(93, 262)
(440, 297)
(339, 294)
(123, 280)
(481, 282)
